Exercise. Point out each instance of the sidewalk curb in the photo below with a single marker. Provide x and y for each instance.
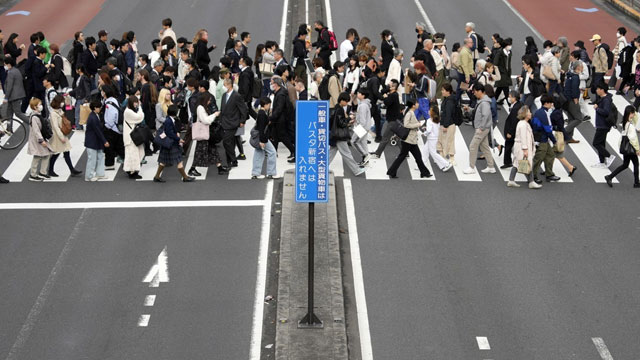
(630, 11)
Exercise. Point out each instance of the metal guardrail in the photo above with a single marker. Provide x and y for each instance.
(630, 7)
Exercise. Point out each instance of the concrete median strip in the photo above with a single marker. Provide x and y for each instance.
(331, 340)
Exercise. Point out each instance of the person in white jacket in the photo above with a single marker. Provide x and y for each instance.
(429, 147)
(133, 154)
(363, 121)
(205, 154)
(395, 67)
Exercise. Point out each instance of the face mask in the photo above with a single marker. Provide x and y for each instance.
(272, 87)
(39, 108)
(388, 38)
(617, 34)
(525, 43)
(341, 74)
(411, 64)
(361, 63)
(509, 48)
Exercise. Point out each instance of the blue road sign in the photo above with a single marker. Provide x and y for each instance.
(312, 151)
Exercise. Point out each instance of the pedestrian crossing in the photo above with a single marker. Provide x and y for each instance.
(376, 170)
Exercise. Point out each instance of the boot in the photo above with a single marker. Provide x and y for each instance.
(158, 178)
(134, 175)
(185, 177)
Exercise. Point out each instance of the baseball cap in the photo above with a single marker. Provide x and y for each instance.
(596, 37)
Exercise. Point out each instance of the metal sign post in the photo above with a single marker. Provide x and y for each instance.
(312, 176)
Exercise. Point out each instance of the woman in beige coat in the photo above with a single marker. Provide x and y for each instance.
(133, 154)
(59, 142)
(38, 145)
(410, 144)
(524, 148)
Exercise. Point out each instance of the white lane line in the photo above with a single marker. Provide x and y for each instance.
(244, 168)
(602, 348)
(306, 12)
(462, 159)
(327, 7)
(358, 280)
(20, 165)
(261, 278)
(32, 318)
(143, 321)
(337, 165)
(377, 168)
(77, 149)
(522, 18)
(283, 26)
(150, 300)
(130, 204)
(432, 29)
(483, 343)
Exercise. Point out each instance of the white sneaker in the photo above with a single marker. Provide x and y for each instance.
(453, 162)
(599, 166)
(534, 185)
(102, 177)
(469, 171)
(360, 172)
(488, 170)
(110, 167)
(447, 168)
(513, 184)
(610, 159)
(95, 178)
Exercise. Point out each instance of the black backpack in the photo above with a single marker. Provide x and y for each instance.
(612, 119)
(323, 89)
(256, 88)
(120, 112)
(45, 126)
(480, 43)
(457, 115)
(607, 49)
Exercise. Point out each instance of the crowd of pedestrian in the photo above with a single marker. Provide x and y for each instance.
(131, 105)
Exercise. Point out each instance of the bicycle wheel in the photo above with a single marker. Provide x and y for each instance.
(15, 133)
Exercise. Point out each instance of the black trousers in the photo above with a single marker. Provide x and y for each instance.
(239, 144)
(67, 159)
(405, 149)
(600, 143)
(116, 147)
(508, 146)
(377, 119)
(502, 90)
(282, 136)
(326, 59)
(626, 159)
(229, 144)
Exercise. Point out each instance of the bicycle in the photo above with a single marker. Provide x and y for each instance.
(13, 133)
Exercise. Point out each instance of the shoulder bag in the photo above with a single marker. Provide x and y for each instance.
(625, 145)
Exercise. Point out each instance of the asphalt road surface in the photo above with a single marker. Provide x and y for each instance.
(456, 268)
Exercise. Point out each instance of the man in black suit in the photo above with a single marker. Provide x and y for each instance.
(89, 60)
(280, 116)
(245, 84)
(235, 54)
(510, 127)
(38, 72)
(102, 49)
(143, 62)
(233, 115)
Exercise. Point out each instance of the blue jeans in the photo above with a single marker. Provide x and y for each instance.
(258, 159)
(423, 109)
(95, 164)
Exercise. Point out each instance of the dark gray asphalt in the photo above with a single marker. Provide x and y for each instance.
(92, 311)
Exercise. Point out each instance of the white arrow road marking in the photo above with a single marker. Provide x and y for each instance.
(159, 272)
(143, 321)
(602, 348)
(483, 343)
(150, 300)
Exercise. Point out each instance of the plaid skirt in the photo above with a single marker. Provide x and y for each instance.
(171, 156)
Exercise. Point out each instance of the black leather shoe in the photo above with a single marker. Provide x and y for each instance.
(222, 170)
(573, 171)
(3, 180)
(607, 178)
(159, 180)
(392, 176)
(188, 179)
(233, 164)
(75, 172)
(634, 185)
(537, 181)
(426, 176)
(242, 157)
(52, 174)
(553, 178)
(194, 172)
(505, 166)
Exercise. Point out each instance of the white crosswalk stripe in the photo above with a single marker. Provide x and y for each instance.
(77, 149)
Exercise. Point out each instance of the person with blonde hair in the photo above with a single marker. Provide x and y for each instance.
(201, 52)
(164, 100)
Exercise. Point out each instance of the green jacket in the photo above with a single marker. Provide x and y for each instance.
(45, 44)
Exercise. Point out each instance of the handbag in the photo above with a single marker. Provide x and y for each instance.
(85, 111)
(254, 138)
(625, 146)
(200, 131)
(524, 167)
(339, 132)
(548, 73)
(139, 134)
(65, 125)
(216, 133)
(266, 68)
(165, 142)
(559, 145)
(399, 130)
